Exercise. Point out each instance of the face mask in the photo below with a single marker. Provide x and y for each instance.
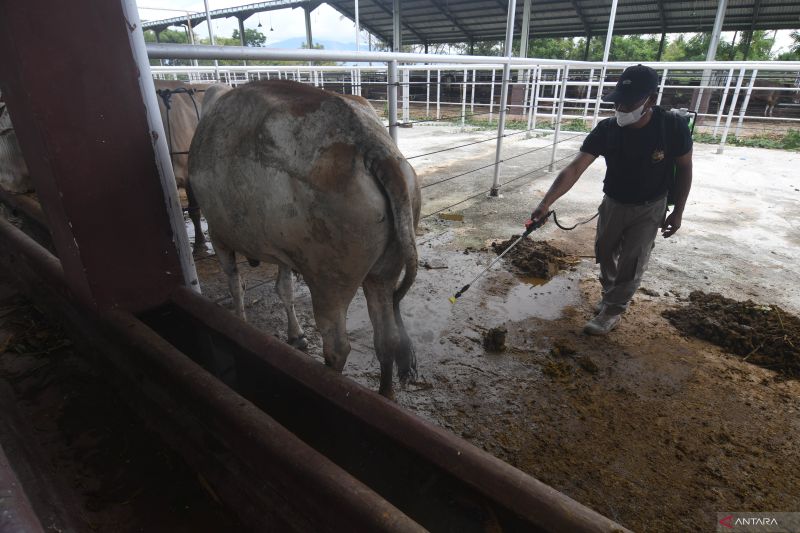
(626, 119)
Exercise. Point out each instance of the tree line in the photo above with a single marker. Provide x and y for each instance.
(754, 46)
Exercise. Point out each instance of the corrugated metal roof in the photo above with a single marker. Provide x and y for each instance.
(450, 21)
(437, 21)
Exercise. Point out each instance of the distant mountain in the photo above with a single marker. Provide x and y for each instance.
(298, 42)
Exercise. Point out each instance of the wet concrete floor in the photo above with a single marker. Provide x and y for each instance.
(652, 429)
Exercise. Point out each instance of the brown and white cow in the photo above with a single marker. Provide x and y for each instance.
(310, 180)
(180, 120)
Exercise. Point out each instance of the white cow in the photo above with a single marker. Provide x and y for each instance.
(310, 180)
(14, 175)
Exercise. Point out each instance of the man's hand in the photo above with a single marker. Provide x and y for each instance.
(540, 212)
(671, 224)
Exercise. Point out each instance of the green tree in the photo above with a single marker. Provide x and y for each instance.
(251, 37)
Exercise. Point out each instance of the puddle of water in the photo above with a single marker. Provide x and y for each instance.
(531, 280)
(545, 301)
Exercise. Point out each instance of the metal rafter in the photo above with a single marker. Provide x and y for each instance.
(582, 17)
(446, 11)
(405, 24)
(662, 16)
(370, 28)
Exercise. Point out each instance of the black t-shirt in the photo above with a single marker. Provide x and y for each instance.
(639, 162)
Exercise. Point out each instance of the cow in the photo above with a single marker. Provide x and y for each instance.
(311, 181)
(179, 104)
(14, 175)
(180, 121)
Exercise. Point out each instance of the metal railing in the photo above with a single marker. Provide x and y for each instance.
(539, 89)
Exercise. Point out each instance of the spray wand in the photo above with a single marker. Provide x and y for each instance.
(530, 226)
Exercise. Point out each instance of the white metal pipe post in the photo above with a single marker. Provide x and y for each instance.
(397, 35)
(358, 29)
(160, 147)
(391, 95)
(309, 37)
(428, 94)
(711, 54)
(464, 100)
(558, 117)
(661, 88)
(612, 17)
(526, 28)
(211, 38)
(438, 94)
(723, 101)
(406, 94)
(491, 98)
(609, 35)
(730, 112)
(746, 102)
(501, 123)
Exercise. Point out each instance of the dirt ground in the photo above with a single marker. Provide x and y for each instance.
(106, 469)
(654, 429)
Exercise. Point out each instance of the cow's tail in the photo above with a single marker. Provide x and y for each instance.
(399, 184)
(396, 177)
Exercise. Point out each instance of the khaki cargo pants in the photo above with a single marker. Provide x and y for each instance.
(625, 237)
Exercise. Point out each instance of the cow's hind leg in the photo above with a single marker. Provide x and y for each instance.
(330, 313)
(392, 344)
(285, 290)
(194, 215)
(227, 260)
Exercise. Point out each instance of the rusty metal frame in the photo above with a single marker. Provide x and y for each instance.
(270, 478)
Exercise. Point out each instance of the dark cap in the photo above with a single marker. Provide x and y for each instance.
(634, 84)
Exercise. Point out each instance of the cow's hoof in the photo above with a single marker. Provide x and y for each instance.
(299, 342)
(387, 392)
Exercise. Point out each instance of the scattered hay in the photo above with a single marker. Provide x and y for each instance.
(562, 349)
(533, 258)
(588, 364)
(557, 369)
(764, 335)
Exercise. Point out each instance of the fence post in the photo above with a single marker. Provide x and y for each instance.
(661, 88)
(501, 123)
(491, 98)
(730, 112)
(587, 95)
(428, 95)
(472, 101)
(722, 101)
(746, 101)
(558, 118)
(464, 100)
(391, 96)
(406, 93)
(601, 83)
(534, 97)
(438, 94)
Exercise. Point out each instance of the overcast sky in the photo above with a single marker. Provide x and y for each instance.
(326, 23)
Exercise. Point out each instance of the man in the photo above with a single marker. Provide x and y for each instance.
(648, 152)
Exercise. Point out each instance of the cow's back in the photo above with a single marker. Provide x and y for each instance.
(278, 168)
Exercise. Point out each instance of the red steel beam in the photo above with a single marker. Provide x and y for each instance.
(70, 80)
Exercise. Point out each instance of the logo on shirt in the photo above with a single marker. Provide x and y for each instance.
(658, 155)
